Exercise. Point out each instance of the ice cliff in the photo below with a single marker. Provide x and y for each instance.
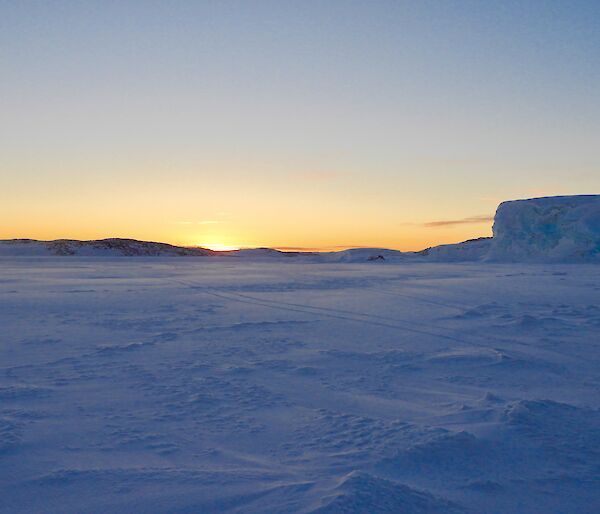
(551, 229)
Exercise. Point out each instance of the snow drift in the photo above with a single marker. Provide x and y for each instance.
(148, 385)
(467, 251)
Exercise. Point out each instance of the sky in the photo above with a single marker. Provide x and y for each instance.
(304, 124)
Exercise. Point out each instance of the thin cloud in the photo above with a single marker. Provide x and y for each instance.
(208, 222)
(472, 220)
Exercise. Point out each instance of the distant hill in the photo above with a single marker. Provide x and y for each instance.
(100, 247)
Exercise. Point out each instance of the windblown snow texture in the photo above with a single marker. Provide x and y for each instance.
(205, 385)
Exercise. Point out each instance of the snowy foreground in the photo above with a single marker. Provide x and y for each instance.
(218, 385)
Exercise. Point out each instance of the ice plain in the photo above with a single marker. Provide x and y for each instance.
(205, 385)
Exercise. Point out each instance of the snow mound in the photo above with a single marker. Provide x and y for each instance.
(551, 229)
(362, 255)
(262, 254)
(470, 250)
(362, 492)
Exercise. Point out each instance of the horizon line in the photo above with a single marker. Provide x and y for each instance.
(283, 249)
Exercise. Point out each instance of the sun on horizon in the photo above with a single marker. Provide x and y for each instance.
(218, 247)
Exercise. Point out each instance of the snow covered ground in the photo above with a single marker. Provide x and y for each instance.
(227, 385)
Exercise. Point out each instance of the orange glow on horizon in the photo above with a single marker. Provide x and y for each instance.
(218, 247)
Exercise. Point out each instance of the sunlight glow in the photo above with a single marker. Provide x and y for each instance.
(217, 247)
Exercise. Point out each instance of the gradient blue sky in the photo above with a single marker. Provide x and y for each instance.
(297, 124)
